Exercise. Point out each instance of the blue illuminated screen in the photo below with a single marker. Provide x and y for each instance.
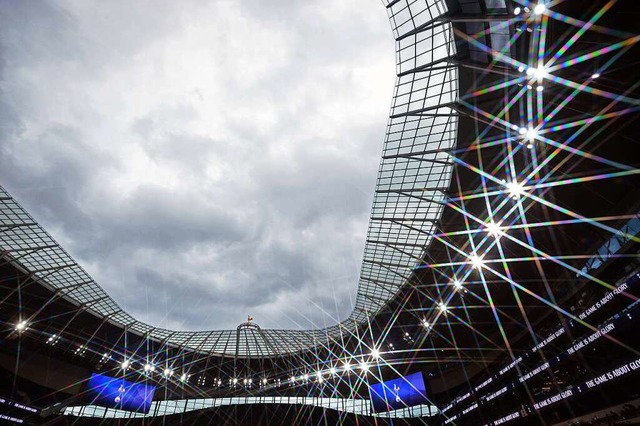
(398, 393)
(117, 393)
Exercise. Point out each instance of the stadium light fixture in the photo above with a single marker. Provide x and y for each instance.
(476, 261)
(515, 189)
(494, 230)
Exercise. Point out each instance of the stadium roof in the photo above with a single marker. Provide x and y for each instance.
(414, 174)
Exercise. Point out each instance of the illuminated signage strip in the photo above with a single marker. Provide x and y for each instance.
(483, 384)
(623, 370)
(548, 340)
(533, 372)
(608, 297)
(510, 366)
(551, 400)
(14, 404)
(11, 419)
(470, 408)
(614, 374)
(496, 394)
(592, 338)
(578, 344)
(626, 283)
(506, 418)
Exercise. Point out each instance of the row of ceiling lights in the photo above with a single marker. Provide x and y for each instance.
(167, 373)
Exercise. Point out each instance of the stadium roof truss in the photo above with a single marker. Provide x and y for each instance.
(520, 153)
(414, 173)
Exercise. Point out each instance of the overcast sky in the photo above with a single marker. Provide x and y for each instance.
(202, 160)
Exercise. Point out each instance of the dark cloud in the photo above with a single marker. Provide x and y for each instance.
(202, 160)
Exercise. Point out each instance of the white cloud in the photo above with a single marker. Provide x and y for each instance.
(202, 160)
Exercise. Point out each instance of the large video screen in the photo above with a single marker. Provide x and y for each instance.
(398, 393)
(118, 393)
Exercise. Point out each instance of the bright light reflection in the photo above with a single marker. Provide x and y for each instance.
(539, 9)
(515, 189)
(476, 261)
(494, 230)
(538, 73)
(364, 366)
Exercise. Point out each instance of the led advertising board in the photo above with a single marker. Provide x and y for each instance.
(118, 393)
(398, 393)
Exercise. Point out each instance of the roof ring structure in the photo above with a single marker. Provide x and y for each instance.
(415, 171)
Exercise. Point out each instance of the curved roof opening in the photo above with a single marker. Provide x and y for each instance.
(202, 163)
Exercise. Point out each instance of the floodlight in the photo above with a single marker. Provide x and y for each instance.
(494, 230)
(476, 261)
(515, 189)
